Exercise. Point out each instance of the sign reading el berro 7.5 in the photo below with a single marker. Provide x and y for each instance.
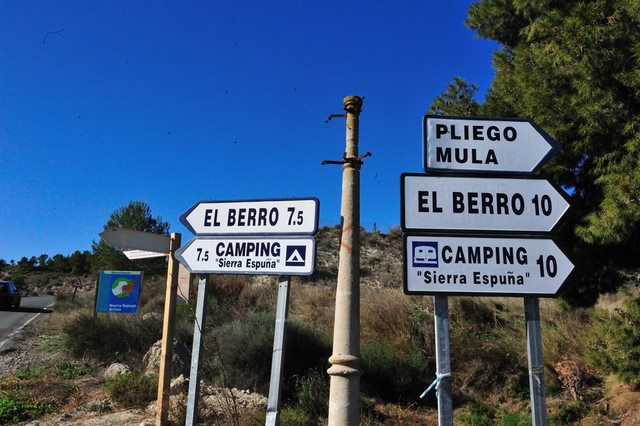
(289, 216)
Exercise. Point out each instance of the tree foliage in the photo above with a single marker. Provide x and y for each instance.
(137, 216)
(574, 68)
(615, 341)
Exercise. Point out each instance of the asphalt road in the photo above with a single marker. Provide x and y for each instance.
(13, 320)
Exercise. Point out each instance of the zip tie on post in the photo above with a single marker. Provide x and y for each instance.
(436, 383)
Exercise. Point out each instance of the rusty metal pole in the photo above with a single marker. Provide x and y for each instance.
(344, 393)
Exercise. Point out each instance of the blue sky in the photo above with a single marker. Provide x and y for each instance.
(102, 103)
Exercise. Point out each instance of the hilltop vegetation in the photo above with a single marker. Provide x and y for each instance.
(588, 353)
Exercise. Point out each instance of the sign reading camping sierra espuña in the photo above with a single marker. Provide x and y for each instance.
(483, 266)
(249, 255)
(484, 144)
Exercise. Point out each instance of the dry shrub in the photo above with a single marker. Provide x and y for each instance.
(388, 314)
(563, 331)
(235, 296)
(111, 337)
(152, 295)
(313, 305)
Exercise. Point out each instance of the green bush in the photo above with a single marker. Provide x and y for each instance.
(105, 338)
(295, 417)
(71, 370)
(569, 414)
(16, 409)
(516, 419)
(478, 413)
(31, 371)
(614, 343)
(312, 392)
(132, 389)
(247, 347)
(394, 374)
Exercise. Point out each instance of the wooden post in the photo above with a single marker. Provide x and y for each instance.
(166, 353)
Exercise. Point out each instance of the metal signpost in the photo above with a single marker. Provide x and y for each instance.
(481, 234)
(258, 237)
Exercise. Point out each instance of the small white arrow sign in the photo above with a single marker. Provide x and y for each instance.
(128, 239)
(483, 266)
(484, 144)
(480, 204)
(142, 254)
(294, 216)
(249, 255)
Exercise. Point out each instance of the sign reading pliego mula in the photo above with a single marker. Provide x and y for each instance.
(249, 255)
(483, 266)
(484, 144)
(293, 216)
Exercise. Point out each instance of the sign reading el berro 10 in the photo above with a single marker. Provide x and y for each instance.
(486, 145)
(480, 204)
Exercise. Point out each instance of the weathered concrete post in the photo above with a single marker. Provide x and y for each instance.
(344, 393)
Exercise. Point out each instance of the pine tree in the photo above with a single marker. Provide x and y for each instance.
(574, 68)
(137, 216)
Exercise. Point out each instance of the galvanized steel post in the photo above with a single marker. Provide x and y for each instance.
(277, 359)
(196, 352)
(536, 366)
(344, 393)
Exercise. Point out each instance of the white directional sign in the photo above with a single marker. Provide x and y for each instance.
(482, 204)
(484, 144)
(249, 255)
(293, 216)
(129, 239)
(486, 266)
(141, 254)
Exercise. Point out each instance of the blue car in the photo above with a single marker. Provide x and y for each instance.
(10, 296)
